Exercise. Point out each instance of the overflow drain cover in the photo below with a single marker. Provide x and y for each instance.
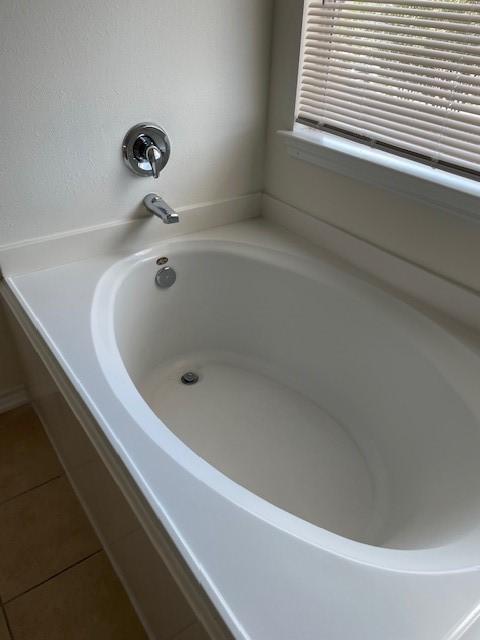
(189, 378)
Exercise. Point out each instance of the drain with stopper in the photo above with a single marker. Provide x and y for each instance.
(189, 378)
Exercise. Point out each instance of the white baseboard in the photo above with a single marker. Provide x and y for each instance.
(13, 398)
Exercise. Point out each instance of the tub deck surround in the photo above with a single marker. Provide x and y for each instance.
(406, 563)
(123, 237)
(406, 279)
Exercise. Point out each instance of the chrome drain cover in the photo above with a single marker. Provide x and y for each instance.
(189, 378)
(165, 277)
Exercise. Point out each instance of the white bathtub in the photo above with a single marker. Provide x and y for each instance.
(322, 477)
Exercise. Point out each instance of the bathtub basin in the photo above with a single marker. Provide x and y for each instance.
(321, 477)
(325, 398)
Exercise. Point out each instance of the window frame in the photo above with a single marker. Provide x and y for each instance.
(429, 184)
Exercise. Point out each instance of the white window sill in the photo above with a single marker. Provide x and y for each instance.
(434, 187)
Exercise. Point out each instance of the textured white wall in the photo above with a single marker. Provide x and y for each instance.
(74, 76)
(440, 241)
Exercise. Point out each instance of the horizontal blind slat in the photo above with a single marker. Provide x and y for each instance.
(426, 122)
(338, 121)
(380, 83)
(430, 135)
(364, 72)
(397, 137)
(404, 14)
(389, 60)
(382, 93)
(419, 112)
(394, 33)
(375, 46)
(460, 9)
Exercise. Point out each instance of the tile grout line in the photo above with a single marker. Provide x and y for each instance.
(7, 621)
(179, 633)
(37, 486)
(52, 577)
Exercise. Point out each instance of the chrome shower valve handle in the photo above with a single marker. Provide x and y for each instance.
(154, 157)
(146, 149)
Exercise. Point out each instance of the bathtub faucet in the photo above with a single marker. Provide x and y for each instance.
(160, 208)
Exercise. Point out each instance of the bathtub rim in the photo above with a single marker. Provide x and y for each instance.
(437, 338)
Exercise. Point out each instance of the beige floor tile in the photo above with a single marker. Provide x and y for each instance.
(86, 602)
(42, 532)
(26, 456)
(4, 635)
(195, 632)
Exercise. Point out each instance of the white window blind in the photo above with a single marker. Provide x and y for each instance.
(401, 75)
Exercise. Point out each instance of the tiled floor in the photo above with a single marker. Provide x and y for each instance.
(56, 583)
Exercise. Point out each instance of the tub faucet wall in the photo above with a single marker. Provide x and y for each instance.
(75, 76)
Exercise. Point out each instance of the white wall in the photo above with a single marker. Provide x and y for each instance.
(440, 241)
(74, 76)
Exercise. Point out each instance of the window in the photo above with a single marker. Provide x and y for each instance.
(402, 76)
